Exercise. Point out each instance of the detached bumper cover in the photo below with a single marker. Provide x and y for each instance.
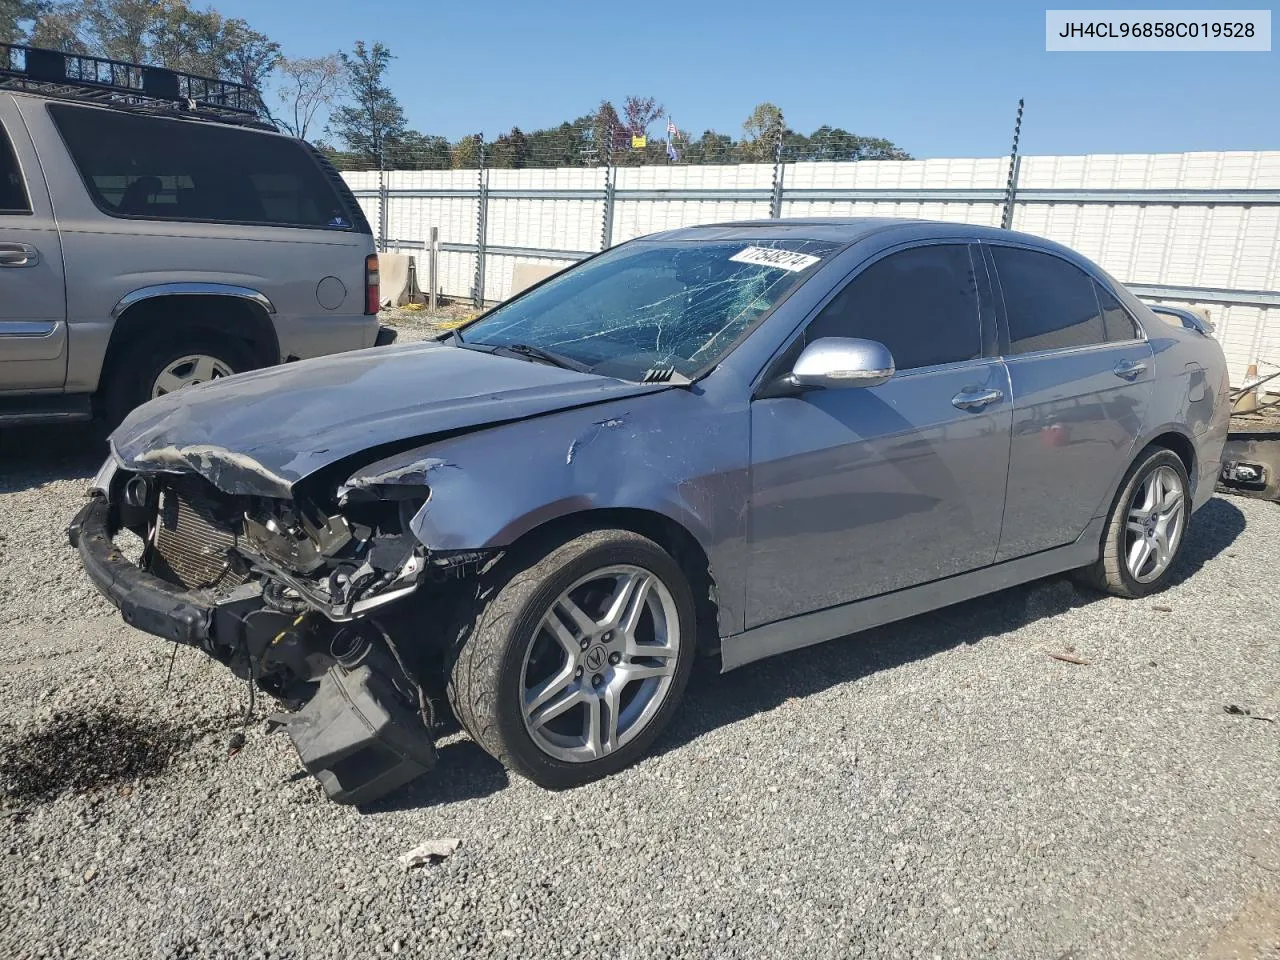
(145, 601)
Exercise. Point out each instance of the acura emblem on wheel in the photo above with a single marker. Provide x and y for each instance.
(595, 658)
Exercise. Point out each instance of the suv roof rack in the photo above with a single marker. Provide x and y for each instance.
(133, 86)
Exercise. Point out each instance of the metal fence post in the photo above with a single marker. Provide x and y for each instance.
(775, 202)
(433, 267)
(607, 220)
(382, 208)
(1015, 161)
(482, 226)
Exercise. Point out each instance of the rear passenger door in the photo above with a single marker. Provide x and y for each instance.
(1081, 372)
(33, 327)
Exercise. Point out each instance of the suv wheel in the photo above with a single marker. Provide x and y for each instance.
(574, 659)
(168, 365)
(1145, 531)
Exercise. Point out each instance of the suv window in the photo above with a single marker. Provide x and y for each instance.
(1050, 303)
(161, 169)
(1116, 322)
(13, 192)
(921, 303)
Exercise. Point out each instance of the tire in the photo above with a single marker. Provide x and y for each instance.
(505, 652)
(1113, 572)
(135, 371)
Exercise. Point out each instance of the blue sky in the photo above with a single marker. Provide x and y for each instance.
(940, 79)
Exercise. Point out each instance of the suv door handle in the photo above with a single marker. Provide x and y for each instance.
(1129, 369)
(18, 255)
(976, 399)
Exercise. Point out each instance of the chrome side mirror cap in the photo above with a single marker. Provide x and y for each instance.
(836, 363)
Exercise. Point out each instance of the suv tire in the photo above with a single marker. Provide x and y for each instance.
(134, 375)
(1146, 528)
(605, 623)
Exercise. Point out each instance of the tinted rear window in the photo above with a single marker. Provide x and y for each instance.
(1050, 303)
(13, 193)
(1116, 321)
(161, 169)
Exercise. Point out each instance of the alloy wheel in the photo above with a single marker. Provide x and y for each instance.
(1154, 524)
(187, 372)
(600, 664)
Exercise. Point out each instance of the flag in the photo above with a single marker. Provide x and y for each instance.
(672, 130)
(671, 152)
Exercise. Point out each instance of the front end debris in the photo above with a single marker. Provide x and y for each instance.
(302, 597)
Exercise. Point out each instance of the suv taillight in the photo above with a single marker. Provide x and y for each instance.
(371, 284)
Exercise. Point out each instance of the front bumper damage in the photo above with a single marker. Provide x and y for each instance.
(365, 726)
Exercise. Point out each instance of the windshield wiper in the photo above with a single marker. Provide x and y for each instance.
(530, 352)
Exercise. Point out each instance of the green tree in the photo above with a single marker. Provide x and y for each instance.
(510, 150)
(465, 154)
(412, 150)
(374, 118)
(760, 132)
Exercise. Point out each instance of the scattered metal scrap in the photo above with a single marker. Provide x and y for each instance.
(1068, 658)
(1238, 711)
(433, 851)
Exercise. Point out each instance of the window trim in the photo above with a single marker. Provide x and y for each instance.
(986, 312)
(95, 197)
(1005, 340)
(30, 211)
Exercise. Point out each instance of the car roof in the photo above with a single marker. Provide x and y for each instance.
(844, 230)
(887, 231)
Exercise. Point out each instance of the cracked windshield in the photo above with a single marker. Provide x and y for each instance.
(646, 308)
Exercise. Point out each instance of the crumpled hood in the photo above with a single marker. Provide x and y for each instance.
(261, 432)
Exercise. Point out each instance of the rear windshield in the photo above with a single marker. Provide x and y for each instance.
(159, 169)
(650, 305)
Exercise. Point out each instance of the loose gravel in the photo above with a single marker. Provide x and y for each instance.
(942, 787)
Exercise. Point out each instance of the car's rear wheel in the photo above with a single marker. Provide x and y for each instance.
(1146, 528)
(574, 657)
(172, 363)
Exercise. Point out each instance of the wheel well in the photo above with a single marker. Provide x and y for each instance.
(669, 534)
(1185, 450)
(223, 316)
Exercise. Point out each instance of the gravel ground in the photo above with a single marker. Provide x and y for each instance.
(937, 788)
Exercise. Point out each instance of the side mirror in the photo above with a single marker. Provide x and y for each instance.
(834, 363)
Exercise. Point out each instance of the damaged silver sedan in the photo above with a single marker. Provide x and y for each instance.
(725, 441)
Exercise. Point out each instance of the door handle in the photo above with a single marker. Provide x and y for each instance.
(976, 399)
(18, 255)
(1129, 369)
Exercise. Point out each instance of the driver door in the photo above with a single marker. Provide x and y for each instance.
(861, 491)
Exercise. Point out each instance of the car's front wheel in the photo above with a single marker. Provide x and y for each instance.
(574, 657)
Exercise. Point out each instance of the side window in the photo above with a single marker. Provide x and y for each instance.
(1116, 322)
(921, 303)
(1050, 303)
(13, 192)
(162, 169)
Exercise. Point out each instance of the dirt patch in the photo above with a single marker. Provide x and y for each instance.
(1254, 934)
(82, 751)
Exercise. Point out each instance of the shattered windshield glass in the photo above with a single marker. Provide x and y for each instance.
(650, 306)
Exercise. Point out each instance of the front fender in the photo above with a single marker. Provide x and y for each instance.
(674, 453)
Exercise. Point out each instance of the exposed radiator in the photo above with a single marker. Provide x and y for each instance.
(191, 542)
